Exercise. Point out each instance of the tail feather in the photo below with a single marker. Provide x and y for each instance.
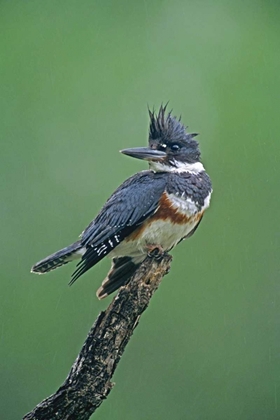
(58, 259)
(121, 271)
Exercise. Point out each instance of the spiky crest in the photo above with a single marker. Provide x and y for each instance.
(167, 127)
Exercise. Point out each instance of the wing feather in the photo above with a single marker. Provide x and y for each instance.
(135, 200)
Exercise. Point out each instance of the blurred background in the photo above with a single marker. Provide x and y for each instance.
(76, 78)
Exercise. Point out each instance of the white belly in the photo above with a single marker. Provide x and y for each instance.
(163, 232)
(160, 232)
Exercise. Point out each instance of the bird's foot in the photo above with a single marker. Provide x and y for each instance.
(155, 251)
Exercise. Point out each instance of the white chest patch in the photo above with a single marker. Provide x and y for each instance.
(183, 205)
(186, 205)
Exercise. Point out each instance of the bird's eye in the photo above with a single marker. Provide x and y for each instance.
(175, 147)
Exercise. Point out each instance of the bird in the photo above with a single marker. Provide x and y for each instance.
(150, 212)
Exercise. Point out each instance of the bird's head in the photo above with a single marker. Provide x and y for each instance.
(171, 148)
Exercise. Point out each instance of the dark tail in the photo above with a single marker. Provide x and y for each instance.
(121, 271)
(58, 259)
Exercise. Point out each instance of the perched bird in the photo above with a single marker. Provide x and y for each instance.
(153, 209)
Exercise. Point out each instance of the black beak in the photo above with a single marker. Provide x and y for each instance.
(144, 153)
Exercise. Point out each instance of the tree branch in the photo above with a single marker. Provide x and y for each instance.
(89, 381)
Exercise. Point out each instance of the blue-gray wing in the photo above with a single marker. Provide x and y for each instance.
(135, 200)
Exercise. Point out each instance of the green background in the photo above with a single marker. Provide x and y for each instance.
(76, 78)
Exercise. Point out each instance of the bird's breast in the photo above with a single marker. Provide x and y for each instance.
(173, 220)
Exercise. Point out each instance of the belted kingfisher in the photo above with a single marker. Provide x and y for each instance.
(155, 208)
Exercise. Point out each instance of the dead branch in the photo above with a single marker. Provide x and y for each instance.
(89, 381)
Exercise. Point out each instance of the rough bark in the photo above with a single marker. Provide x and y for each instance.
(89, 381)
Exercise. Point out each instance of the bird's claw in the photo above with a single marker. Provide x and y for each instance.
(155, 251)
